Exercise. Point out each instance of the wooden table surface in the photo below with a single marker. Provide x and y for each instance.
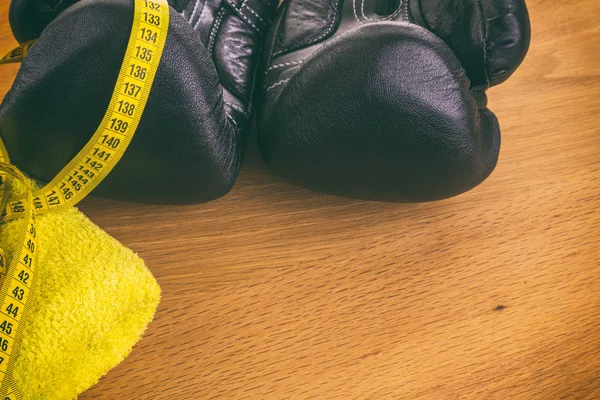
(275, 292)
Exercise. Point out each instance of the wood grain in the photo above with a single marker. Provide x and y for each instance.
(275, 292)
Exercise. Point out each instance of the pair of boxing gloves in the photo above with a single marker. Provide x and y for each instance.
(372, 99)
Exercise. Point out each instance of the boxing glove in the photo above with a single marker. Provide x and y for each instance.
(190, 140)
(385, 99)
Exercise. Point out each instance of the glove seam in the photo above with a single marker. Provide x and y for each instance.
(244, 4)
(278, 83)
(230, 118)
(388, 18)
(215, 29)
(240, 13)
(285, 64)
(194, 11)
(200, 16)
(254, 12)
(354, 9)
(276, 34)
(485, 47)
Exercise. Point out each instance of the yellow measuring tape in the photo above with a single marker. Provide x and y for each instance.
(79, 177)
(17, 55)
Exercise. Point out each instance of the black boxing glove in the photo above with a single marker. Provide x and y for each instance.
(190, 140)
(28, 18)
(385, 99)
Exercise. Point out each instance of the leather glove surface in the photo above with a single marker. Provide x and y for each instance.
(385, 99)
(190, 141)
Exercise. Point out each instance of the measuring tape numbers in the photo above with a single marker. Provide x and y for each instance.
(17, 282)
(81, 175)
(116, 130)
(17, 55)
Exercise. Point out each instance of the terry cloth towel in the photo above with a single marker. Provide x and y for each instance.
(92, 302)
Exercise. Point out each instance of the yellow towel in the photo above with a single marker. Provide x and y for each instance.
(94, 298)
